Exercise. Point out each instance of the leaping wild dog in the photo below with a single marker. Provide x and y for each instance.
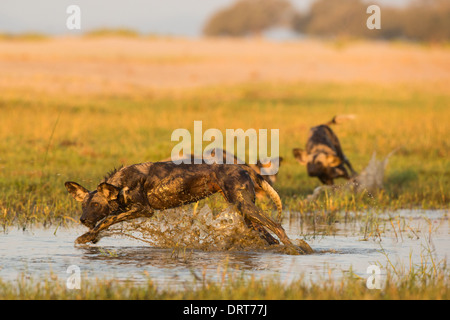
(323, 156)
(253, 169)
(137, 190)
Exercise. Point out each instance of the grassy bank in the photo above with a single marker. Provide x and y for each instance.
(46, 140)
(415, 284)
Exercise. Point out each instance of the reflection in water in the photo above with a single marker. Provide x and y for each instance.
(145, 257)
(340, 247)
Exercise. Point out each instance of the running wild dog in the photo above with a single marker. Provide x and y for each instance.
(227, 157)
(137, 190)
(323, 156)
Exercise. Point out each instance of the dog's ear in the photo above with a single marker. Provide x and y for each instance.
(109, 191)
(333, 161)
(300, 155)
(78, 192)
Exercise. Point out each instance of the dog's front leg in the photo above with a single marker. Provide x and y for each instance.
(133, 213)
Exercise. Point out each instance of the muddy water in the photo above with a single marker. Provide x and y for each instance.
(413, 236)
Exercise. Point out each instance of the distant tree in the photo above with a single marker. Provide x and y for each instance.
(427, 20)
(422, 20)
(392, 24)
(250, 17)
(334, 18)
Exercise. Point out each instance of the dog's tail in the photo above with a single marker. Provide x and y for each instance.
(338, 119)
(273, 195)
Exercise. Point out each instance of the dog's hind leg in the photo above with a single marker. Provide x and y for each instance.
(264, 234)
(353, 172)
(252, 212)
(239, 191)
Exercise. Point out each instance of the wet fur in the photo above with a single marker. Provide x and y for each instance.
(252, 169)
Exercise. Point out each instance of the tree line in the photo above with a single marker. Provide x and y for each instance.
(420, 20)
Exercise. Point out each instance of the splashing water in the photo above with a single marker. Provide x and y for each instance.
(369, 180)
(187, 228)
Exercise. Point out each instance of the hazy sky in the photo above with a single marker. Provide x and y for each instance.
(170, 17)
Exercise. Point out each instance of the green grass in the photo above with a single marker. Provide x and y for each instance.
(416, 284)
(47, 140)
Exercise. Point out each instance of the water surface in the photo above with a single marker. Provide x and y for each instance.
(413, 237)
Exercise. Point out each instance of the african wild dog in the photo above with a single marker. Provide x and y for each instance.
(252, 169)
(137, 190)
(323, 156)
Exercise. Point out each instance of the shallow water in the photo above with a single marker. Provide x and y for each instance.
(340, 248)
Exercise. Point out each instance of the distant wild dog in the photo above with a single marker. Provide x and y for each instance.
(323, 156)
(137, 190)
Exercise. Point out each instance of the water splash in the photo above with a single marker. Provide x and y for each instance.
(187, 228)
(370, 179)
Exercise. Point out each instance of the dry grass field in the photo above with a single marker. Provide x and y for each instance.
(135, 65)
